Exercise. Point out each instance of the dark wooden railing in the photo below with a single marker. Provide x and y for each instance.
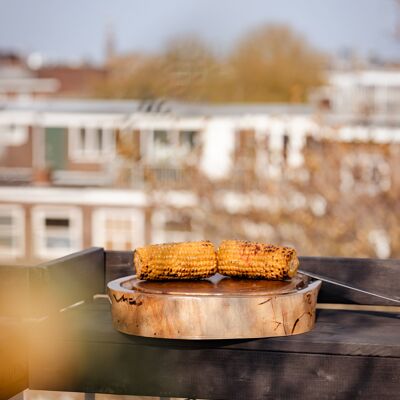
(56, 334)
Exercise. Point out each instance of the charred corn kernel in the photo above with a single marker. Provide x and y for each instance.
(256, 260)
(188, 260)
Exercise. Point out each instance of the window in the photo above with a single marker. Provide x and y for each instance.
(88, 144)
(171, 146)
(13, 135)
(12, 231)
(172, 226)
(285, 146)
(365, 173)
(58, 231)
(188, 140)
(163, 146)
(276, 143)
(117, 229)
(162, 138)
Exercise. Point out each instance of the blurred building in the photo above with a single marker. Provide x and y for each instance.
(365, 94)
(25, 80)
(73, 81)
(134, 161)
(19, 82)
(119, 174)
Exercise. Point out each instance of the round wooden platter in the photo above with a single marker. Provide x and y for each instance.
(216, 308)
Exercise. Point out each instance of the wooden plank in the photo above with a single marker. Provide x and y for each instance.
(211, 373)
(337, 332)
(348, 355)
(380, 276)
(65, 281)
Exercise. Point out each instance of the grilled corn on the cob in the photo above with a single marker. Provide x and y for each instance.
(256, 260)
(188, 260)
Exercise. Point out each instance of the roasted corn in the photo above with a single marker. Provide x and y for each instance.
(188, 260)
(256, 260)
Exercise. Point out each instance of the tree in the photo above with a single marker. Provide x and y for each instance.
(270, 64)
(134, 76)
(182, 71)
(188, 66)
(274, 63)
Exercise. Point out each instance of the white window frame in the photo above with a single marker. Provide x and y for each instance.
(88, 153)
(18, 229)
(100, 216)
(39, 215)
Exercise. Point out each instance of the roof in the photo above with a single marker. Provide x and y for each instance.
(72, 106)
(158, 106)
(78, 80)
(236, 108)
(384, 77)
(28, 85)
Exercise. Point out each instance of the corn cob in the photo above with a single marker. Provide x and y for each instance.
(256, 260)
(188, 260)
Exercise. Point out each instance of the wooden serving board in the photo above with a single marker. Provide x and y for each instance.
(216, 308)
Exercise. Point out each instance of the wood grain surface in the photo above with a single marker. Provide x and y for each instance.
(215, 308)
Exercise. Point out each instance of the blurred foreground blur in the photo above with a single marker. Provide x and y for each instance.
(50, 395)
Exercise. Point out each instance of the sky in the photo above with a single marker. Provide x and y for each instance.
(75, 29)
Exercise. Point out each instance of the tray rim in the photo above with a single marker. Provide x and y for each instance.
(116, 286)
